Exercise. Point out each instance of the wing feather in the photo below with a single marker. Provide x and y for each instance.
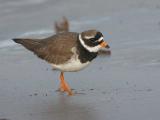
(57, 49)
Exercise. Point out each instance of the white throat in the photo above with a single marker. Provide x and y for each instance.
(90, 49)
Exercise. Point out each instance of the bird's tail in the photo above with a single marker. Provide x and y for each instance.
(30, 44)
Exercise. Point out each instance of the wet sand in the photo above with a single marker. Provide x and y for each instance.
(102, 91)
(123, 86)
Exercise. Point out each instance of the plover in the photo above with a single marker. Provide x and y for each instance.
(67, 51)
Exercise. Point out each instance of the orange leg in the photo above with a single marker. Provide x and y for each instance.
(64, 87)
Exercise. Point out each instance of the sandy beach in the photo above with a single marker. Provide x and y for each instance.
(123, 86)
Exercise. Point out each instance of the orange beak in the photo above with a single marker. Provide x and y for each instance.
(104, 44)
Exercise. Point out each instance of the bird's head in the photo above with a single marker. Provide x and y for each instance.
(92, 40)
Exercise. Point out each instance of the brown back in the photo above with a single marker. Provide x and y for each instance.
(57, 49)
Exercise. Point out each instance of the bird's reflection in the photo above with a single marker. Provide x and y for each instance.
(70, 108)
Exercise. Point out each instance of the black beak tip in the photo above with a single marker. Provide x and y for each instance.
(107, 46)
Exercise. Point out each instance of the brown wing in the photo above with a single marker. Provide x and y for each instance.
(57, 49)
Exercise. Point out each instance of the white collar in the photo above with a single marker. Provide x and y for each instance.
(90, 49)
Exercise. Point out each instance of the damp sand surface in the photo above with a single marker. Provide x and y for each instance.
(122, 86)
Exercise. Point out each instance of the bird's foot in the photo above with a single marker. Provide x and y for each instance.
(64, 87)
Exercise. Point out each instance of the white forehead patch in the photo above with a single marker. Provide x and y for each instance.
(100, 39)
(90, 49)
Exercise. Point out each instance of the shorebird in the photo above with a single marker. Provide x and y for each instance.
(67, 51)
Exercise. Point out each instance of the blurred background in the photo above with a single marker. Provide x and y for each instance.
(123, 86)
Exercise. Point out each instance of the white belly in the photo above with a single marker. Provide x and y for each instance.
(72, 65)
